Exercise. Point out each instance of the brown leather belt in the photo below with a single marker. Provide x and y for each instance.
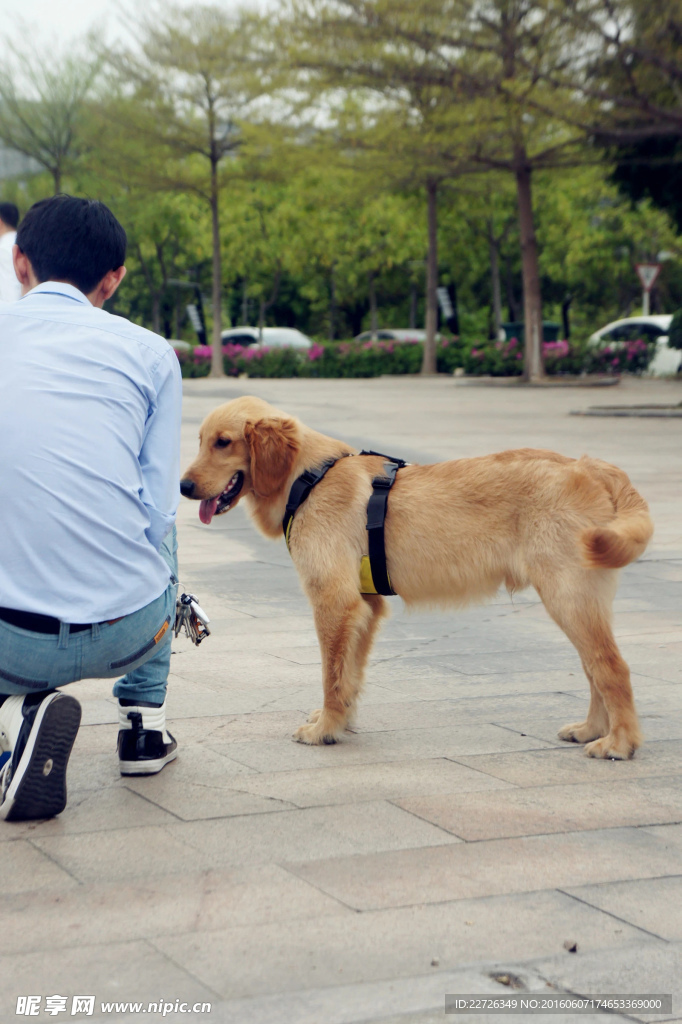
(45, 623)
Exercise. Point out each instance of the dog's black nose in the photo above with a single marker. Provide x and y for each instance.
(187, 488)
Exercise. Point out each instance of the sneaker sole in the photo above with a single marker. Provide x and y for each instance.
(146, 767)
(38, 790)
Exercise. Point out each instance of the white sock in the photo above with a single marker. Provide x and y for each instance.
(11, 720)
(152, 719)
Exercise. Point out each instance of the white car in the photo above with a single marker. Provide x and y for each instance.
(399, 334)
(649, 328)
(273, 337)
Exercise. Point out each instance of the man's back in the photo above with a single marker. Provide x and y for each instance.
(89, 420)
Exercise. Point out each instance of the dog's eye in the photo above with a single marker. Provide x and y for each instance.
(223, 442)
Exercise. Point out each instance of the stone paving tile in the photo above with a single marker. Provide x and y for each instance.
(653, 903)
(490, 867)
(96, 810)
(312, 833)
(671, 835)
(213, 797)
(239, 962)
(116, 971)
(654, 968)
(319, 786)
(123, 853)
(568, 764)
(132, 853)
(509, 711)
(365, 748)
(411, 1000)
(194, 902)
(544, 809)
(23, 868)
(442, 683)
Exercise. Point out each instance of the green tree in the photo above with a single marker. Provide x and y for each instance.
(466, 86)
(195, 82)
(44, 105)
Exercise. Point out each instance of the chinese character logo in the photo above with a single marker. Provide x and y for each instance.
(28, 1006)
(83, 1004)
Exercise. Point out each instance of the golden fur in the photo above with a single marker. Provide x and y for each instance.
(455, 532)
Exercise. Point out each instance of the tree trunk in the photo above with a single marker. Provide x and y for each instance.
(332, 302)
(429, 360)
(217, 368)
(373, 311)
(514, 311)
(534, 369)
(245, 302)
(261, 320)
(413, 305)
(57, 179)
(156, 312)
(497, 290)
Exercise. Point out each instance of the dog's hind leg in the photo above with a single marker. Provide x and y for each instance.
(597, 722)
(345, 629)
(581, 605)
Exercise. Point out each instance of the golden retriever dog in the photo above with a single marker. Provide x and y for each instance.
(455, 532)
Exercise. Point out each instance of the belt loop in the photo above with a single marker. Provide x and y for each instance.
(94, 635)
(64, 633)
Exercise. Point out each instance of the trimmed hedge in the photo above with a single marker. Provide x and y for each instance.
(374, 358)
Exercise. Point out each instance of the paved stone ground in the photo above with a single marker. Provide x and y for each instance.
(453, 836)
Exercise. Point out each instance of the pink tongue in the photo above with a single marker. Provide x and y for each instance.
(207, 510)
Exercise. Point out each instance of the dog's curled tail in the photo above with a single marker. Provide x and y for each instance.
(626, 537)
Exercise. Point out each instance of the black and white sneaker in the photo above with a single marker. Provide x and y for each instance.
(144, 744)
(39, 731)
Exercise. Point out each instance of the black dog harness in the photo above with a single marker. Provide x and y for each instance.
(374, 578)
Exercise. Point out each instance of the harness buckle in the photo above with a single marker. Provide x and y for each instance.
(382, 483)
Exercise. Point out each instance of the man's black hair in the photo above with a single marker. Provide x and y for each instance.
(9, 215)
(73, 240)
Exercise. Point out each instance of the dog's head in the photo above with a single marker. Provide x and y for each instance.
(245, 447)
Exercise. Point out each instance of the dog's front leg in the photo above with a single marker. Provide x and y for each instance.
(342, 627)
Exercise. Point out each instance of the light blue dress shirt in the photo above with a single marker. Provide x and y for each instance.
(90, 409)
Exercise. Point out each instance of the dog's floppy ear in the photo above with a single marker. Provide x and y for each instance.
(273, 444)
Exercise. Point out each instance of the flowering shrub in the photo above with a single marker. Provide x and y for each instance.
(629, 357)
(373, 358)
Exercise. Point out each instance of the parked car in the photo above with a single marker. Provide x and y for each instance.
(650, 328)
(273, 337)
(182, 348)
(395, 334)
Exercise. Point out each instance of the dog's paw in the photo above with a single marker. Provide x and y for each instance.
(613, 747)
(323, 730)
(314, 716)
(580, 732)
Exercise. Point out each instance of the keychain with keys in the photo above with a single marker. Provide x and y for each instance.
(190, 616)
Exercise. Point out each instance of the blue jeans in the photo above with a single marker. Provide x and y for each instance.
(138, 644)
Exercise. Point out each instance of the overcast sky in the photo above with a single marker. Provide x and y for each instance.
(63, 20)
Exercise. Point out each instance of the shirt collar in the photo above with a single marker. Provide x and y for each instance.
(69, 291)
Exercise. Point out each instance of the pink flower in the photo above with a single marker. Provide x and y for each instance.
(253, 352)
(315, 353)
(368, 344)
(556, 348)
(519, 355)
(202, 352)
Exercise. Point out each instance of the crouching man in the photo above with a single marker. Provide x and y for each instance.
(89, 464)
